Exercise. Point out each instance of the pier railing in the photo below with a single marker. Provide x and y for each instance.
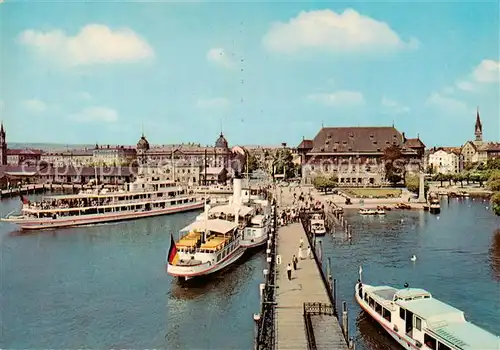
(314, 309)
(265, 333)
(327, 278)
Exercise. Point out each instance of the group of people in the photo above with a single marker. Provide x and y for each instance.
(295, 261)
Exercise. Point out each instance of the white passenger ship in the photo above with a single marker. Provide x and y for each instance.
(254, 219)
(418, 321)
(318, 227)
(206, 246)
(150, 195)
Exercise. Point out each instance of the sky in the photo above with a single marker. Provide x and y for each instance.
(262, 72)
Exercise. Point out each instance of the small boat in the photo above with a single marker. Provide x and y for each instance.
(205, 247)
(318, 227)
(418, 321)
(365, 211)
(380, 211)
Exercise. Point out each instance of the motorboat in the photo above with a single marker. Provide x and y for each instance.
(318, 227)
(366, 211)
(416, 320)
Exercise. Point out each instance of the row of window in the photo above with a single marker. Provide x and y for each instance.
(429, 341)
(382, 311)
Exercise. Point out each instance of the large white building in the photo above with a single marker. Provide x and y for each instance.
(445, 160)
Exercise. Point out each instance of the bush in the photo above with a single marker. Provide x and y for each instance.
(495, 202)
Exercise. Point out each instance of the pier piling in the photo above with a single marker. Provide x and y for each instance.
(345, 320)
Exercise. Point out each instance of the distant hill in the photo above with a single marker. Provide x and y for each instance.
(46, 146)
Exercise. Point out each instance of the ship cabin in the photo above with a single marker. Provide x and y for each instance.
(255, 228)
(228, 212)
(85, 203)
(208, 240)
(427, 320)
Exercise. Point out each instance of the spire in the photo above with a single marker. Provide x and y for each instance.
(478, 129)
(142, 129)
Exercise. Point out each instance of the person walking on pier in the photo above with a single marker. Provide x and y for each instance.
(295, 261)
(309, 253)
(301, 244)
(289, 272)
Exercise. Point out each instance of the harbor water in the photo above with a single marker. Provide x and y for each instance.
(105, 286)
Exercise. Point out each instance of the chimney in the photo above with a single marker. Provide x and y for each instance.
(404, 137)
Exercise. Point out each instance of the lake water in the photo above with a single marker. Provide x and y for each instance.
(106, 286)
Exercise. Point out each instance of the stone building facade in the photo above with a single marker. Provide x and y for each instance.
(355, 154)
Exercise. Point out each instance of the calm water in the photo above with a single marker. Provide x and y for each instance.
(458, 261)
(106, 286)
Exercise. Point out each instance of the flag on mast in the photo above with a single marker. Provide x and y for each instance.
(24, 199)
(173, 255)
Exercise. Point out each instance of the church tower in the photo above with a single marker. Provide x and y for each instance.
(3, 146)
(478, 131)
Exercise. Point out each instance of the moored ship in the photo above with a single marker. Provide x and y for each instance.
(205, 246)
(416, 320)
(254, 217)
(150, 195)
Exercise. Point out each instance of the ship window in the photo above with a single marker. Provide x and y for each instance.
(402, 313)
(370, 302)
(218, 257)
(366, 297)
(418, 323)
(378, 308)
(441, 346)
(386, 314)
(429, 341)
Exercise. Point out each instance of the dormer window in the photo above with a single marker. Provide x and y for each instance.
(351, 135)
(387, 142)
(374, 142)
(372, 136)
(344, 142)
(349, 149)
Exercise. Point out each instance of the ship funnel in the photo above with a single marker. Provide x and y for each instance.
(236, 190)
(236, 215)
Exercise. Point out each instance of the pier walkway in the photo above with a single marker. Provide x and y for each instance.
(306, 287)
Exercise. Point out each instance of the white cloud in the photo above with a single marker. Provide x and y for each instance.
(338, 98)
(96, 114)
(465, 85)
(35, 105)
(393, 107)
(334, 32)
(488, 71)
(213, 103)
(446, 104)
(220, 57)
(85, 96)
(94, 43)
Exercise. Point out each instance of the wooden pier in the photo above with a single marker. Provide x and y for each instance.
(306, 286)
(305, 314)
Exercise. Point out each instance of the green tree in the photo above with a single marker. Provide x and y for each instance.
(394, 164)
(460, 177)
(325, 183)
(252, 163)
(495, 203)
(440, 177)
(283, 162)
(493, 164)
(494, 181)
(412, 183)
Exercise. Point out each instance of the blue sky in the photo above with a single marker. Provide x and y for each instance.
(85, 72)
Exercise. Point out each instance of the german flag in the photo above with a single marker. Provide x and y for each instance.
(173, 256)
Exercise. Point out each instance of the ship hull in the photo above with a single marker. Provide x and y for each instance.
(400, 338)
(258, 242)
(190, 272)
(71, 221)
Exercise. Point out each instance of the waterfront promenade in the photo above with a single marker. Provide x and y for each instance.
(306, 286)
